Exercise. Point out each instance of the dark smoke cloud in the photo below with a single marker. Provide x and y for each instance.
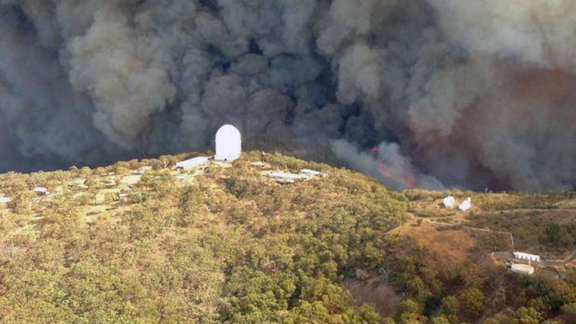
(473, 93)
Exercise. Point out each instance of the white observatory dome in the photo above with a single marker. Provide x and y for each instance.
(228, 144)
(466, 204)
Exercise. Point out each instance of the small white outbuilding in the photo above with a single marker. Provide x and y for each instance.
(4, 201)
(228, 144)
(466, 204)
(259, 164)
(286, 177)
(449, 202)
(527, 256)
(312, 173)
(522, 268)
(41, 191)
(193, 163)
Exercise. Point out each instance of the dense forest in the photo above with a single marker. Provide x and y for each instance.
(140, 242)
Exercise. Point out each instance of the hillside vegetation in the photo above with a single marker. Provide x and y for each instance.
(227, 244)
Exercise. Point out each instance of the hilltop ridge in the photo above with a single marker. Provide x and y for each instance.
(139, 241)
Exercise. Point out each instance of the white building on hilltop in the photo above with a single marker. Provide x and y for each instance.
(4, 201)
(522, 268)
(312, 173)
(466, 204)
(193, 163)
(449, 202)
(527, 256)
(286, 177)
(228, 144)
(42, 191)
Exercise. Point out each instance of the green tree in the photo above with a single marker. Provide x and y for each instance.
(440, 320)
(528, 316)
(449, 308)
(569, 312)
(472, 302)
(409, 310)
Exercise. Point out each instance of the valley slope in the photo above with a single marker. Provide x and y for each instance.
(140, 242)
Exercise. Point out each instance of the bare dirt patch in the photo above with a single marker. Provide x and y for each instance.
(374, 291)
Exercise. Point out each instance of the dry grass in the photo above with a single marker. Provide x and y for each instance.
(450, 245)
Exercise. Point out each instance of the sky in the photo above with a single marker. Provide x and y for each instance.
(417, 93)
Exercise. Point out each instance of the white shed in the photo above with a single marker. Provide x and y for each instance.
(193, 163)
(228, 144)
(449, 202)
(42, 191)
(466, 204)
(527, 256)
(258, 164)
(312, 173)
(4, 201)
(286, 177)
(522, 268)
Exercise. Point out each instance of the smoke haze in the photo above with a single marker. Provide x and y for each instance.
(426, 93)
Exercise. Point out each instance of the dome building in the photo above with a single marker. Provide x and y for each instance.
(228, 144)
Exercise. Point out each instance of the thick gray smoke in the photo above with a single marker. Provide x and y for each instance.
(474, 93)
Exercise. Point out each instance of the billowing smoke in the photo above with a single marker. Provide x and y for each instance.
(386, 164)
(425, 93)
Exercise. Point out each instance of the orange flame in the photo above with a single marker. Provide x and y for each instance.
(407, 177)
